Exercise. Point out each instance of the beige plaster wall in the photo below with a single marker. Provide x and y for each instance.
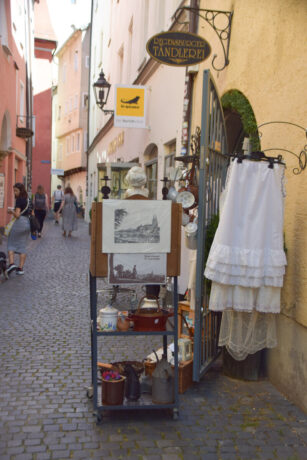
(287, 364)
(268, 65)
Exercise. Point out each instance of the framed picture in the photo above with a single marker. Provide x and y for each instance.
(137, 268)
(136, 226)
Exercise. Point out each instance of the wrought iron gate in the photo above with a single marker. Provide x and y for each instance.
(212, 173)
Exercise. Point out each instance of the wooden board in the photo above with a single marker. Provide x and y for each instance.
(99, 260)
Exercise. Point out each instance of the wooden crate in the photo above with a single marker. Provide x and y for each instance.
(185, 374)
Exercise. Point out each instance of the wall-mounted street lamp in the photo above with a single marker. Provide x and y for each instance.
(101, 91)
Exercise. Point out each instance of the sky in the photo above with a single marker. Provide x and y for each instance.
(64, 13)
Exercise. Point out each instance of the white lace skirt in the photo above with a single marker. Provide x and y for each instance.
(244, 334)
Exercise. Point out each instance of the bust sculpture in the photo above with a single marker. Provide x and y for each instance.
(136, 179)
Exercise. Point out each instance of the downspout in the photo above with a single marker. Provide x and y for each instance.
(89, 102)
(188, 90)
(29, 97)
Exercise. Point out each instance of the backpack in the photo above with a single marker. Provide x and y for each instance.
(40, 201)
(58, 195)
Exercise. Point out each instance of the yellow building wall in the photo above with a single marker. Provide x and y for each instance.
(268, 65)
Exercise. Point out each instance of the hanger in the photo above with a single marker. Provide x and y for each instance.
(257, 156)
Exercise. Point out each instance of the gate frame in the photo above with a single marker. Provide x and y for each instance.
(208, 126)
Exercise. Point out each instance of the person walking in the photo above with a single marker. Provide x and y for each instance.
(69, 212)
(19, 234)
(40, 207)
(57, 199)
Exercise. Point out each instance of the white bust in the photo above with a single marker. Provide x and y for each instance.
(136, 179)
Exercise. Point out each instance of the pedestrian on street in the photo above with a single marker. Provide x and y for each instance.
(19, 234)
(40, 207)
(57, 199)
(69, 212)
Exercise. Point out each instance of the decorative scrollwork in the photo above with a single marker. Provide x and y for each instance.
(195, 142)
(212, 17)
(301, 157)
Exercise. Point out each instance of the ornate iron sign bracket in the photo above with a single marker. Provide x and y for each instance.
(301, 157)
(211, 17)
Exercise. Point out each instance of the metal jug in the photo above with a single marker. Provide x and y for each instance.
(163, 382)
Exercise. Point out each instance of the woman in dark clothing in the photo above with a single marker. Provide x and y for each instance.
(20, 232)
(40, 207)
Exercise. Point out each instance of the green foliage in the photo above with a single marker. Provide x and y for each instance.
(236, 101)
(210, 232)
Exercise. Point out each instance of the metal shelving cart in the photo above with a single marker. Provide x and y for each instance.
(98, 269)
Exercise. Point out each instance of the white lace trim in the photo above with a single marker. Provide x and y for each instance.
(265, 299)
(239, 270)
(246, 281)
(220, 253)
(246, 333)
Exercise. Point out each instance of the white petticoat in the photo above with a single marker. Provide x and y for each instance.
(265, 299)
(248, 245)
(244, 334)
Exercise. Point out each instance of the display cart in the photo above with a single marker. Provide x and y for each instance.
(99, 269)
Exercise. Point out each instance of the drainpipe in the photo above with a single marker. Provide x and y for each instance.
(29, 95)
(89, 103)
(188, 90)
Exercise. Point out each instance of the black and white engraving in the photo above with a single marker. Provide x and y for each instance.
(137, 268)
(136, 226)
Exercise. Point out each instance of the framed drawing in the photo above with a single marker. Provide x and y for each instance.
(136, 226)
(137, 268)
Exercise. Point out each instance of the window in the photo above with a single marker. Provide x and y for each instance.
(152, 177)
(76, 101)
(67, 144)
(78, 142)
(72, 143)
(84, 100)
(85, 141)
(76, 61)
(169, 159)
(21, 101)
(87, 61)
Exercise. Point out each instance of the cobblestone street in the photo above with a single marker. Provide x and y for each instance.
(46, 368)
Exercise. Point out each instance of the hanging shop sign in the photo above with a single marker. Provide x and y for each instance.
(57, 172)
(178, 48)
(130, 106)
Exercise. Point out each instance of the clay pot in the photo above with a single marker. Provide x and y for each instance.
(123, 323)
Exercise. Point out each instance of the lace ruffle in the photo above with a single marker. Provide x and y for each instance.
(265, 299)
(257, 258)
(239, 270)
(246, 281)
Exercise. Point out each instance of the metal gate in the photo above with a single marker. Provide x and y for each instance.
(212, 173)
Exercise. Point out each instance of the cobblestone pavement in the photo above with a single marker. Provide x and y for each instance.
(45, 369)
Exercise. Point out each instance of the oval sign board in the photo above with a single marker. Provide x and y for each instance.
(178, 48)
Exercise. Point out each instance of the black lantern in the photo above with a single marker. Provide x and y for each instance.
(101, 90)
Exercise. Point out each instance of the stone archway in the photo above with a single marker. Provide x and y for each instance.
(240, 121)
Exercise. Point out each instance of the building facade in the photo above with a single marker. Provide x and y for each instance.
(120, 33)
(71, 110)
(266, 68)
(44, 46)
(16, 50)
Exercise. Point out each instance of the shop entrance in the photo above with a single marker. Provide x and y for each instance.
(212, 174)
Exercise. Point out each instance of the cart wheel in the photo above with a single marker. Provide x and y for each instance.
(90, 392)
(175, 414)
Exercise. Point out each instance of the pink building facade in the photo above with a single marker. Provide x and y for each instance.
(14, 55)
(44, 46)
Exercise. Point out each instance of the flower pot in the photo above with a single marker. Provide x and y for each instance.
(113, 392)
